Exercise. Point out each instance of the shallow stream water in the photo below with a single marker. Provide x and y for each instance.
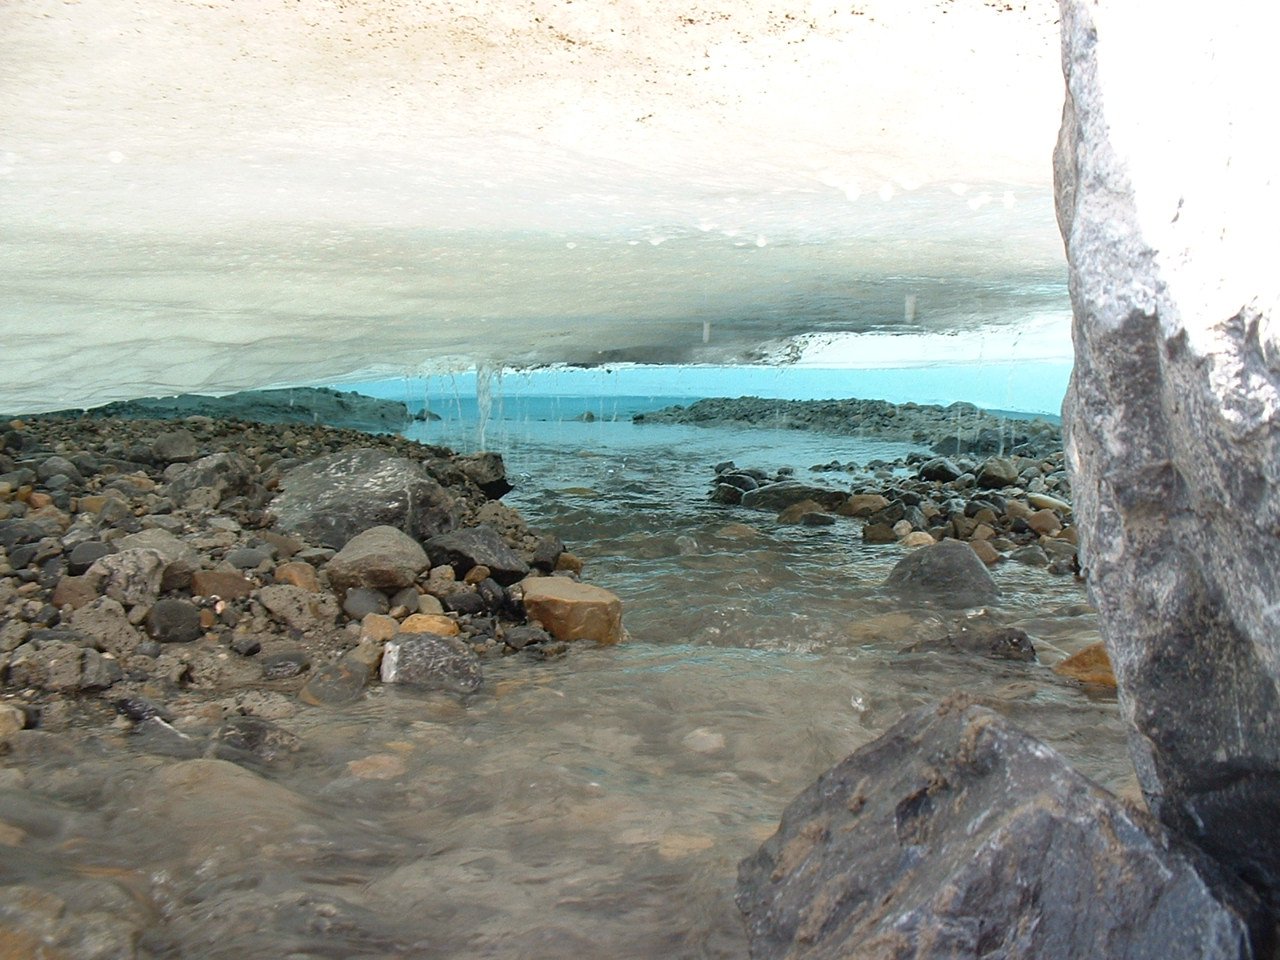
(592, 806)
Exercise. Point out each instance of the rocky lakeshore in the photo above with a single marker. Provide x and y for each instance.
(960, 428)
(198, 581)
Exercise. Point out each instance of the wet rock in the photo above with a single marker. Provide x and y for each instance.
(778, 496)
(997, 473)
(726, 494)
(948, 573)
(940, 469)
(384, 558)
(487, 471)
(1000, 643)
(298, 608)
(174, 620)
(863, 505)
(1031, 555)
(570, 610)
(517, 638)
(1090, 666)
(335, 497)
(955, 835)
(431, 662)
(336, 683)
(1045, 522)
(282, 666)
(878, 533)
(546, 553)
(482, 545)
(254, 739)
(1172, 428)
(138, 709)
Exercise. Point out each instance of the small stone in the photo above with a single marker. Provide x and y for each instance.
(1045, 522)
(335, 684)
(430, 623)
(476, 574)
(703, 740)
(383, 558)
(918, 538)
(175, 446)
(12, 719)
(298, 574)
(465, 603)
(282, 666)
(246, 646)
(1032, 555)
(902, 528)
(84, 555)
(74, 592)
(220, 583)
(173, 620)
(359, 602)
(131, 577)
(986, 552)
(1042, 501)
(997, 473)
(248, 558)
(379, 627)
(1091, 666)
(878, 533)
(517, 638)
(378, 766)
(569, 563)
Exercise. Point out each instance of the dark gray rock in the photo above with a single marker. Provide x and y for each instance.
(464, 549)
(999, 643)
(779, 496)
(83, 555)
(359, 602)
(954, 835)
(939, 468)
(174, 446)
(254, 740)
(174, 620)
(948, 573)
(727, 494)
(1032, 555)
(248, 558)
(997, 473)
(430, 662)
(286, 664)
(547, 552)
(335, 497)
(487, 471)
(1172, 430)
(517, 638)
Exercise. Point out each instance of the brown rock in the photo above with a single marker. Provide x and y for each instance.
(74, 592)
(918, 539)
(378, 627)
(570, 610)
(878, 533)
(986, 552)
(220, 583)
(36, 500)
(862, 505)
(1045, 522)
(298, 574)
(477, 574)
(438, 624)
(963, 527)
(1091, 665)
(11, 720)
(568, 563)
(91, 504)
(1017, 510)
(982, 531)
(793, 513)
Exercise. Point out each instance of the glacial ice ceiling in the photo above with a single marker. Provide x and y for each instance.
(228, 194)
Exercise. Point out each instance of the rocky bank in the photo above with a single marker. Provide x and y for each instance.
(203, 578)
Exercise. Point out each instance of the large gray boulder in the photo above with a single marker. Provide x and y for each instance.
(954, 835)
(1167, 201)
(331, 499)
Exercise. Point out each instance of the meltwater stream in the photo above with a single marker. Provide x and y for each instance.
(592, 806)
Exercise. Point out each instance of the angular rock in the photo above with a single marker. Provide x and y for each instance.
(132, 577)
(997, 473)
(939, 468)
(487, 471)
(1090, 665)
(1173, 435)
(174, 446)
(955, 835)
(173, 620)
(298, 574)
(359, 602)
(209, 480)
(298, 608)
(464, 549)
(383, 558)
(570, 610)
(430, 662)
(105, 622)
(948, 573)
(335, 497)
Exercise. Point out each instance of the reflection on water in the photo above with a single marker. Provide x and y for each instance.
(591, 806)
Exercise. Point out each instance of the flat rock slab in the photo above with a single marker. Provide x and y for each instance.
(955, 835)
(570, 610)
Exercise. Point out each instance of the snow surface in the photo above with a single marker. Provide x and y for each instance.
(218, 195)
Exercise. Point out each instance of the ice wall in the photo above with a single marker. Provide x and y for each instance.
(220, 195)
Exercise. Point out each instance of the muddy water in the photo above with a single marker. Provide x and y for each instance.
(591, 806)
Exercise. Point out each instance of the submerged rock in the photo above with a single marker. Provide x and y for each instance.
(431, 662)
(1173, 412)
(948, 573)
(955, 835)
